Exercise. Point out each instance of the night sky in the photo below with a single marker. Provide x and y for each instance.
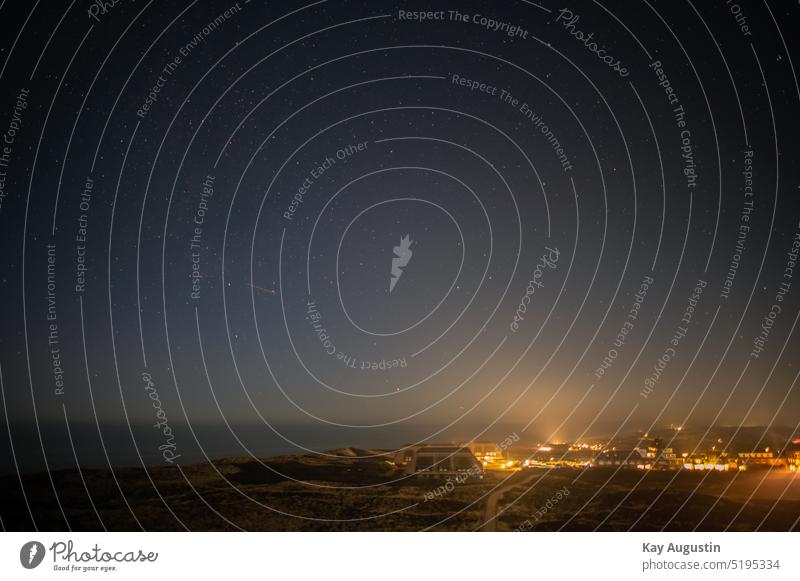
(204, 205)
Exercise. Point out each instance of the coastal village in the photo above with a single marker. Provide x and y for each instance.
(644, 452)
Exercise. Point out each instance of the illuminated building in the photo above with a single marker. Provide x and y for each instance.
(485, 450)
(623, 458)
(441, 461)
(561, 454)
(491, 456)
(655, 456)
(793, 460)
(704, 461)
(765, 459)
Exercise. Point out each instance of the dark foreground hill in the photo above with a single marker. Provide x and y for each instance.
(346, 491)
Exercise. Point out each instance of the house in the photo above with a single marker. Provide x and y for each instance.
(704, 461)
(485, 450)
(441, 461)
(793, 460)
(623, 458)
(765, 459)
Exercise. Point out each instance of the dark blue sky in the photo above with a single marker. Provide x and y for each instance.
(253, 168)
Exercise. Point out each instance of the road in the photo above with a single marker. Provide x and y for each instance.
(520, 479)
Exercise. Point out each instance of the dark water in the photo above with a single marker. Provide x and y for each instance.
(140, 444)
(120, 446)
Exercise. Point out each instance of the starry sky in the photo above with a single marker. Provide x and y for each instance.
(203, 208)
